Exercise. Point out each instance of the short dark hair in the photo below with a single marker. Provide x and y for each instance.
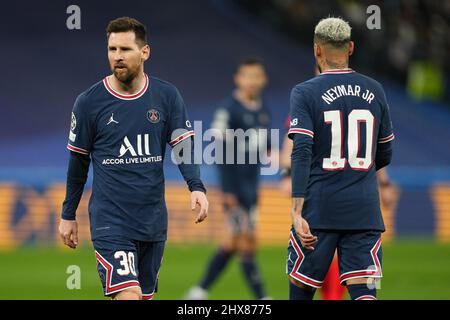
(252, 61)
(125, 24)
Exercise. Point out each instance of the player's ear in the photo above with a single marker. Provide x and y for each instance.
(145, 52)
(351, 47)
(317, 50)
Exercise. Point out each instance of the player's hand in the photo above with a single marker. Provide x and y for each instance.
(199, 198)
(68, 230)
(302, 230)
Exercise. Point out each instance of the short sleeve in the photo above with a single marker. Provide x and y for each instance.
(386, 132)
(81, 131)
(180, 128)
(300, 114)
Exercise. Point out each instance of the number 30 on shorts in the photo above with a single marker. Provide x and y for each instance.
(336, 161)
(127, 262)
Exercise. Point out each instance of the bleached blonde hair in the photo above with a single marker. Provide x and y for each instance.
(334, 31)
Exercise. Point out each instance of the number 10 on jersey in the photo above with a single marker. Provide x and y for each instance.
(336, 161)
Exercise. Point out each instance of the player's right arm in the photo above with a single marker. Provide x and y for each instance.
(302, 133)
(80, 143)
(76, 178)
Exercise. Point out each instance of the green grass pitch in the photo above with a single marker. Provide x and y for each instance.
(412, 269)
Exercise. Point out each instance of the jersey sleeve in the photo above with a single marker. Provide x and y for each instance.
(81, 131)
(300, 114)
(180, 127)
(386, 132)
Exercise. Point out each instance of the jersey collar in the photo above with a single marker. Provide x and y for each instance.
(126, 96)
(338, 71)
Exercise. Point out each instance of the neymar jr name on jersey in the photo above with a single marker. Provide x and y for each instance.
(346, 90)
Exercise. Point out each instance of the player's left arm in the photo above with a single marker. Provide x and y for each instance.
(80, 143)
(180, 137)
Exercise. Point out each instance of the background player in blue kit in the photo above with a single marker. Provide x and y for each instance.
(342, 134)
(123, 124)
(245, 110)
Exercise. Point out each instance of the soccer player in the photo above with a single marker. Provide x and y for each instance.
(331, 288)
(246, 110)
(123, 124)
(342, 133)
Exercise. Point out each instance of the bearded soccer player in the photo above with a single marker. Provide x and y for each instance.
(123, 124)
(342, 133)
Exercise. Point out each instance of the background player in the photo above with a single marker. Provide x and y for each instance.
(244, 109)
(123, 124)
(342, 134)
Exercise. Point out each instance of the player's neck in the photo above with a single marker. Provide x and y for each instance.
(132, 87)
(334, 65)
(334, 69)
(249, 102)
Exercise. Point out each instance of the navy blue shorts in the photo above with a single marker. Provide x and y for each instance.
(123, 264)
(359, 254)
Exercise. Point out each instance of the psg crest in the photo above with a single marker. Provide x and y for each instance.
(153, 116)
(73, 122)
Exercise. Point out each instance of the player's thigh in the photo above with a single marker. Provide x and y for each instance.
(253, 215)
(134, 293)
(236, 220)
(116, 264)
(311, 266)
(229, 241)
(150, 261)
(360, 255)
(247, 242)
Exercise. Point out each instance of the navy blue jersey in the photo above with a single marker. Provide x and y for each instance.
(344, 115)
(126, 137)
(242, 175)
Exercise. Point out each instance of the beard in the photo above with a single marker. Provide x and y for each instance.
(125, 75)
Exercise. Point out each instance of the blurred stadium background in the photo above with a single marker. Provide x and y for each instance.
(195, 45)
